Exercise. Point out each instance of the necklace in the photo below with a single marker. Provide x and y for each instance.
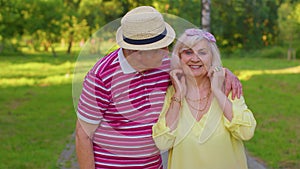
(201, 99)
(205, 106)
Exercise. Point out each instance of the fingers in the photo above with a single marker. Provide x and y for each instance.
(234, 89)
(217, 68)
(237, 89)
(213, 70)
(240, 89)
(210, 72)
(176, 75)
(227, 86)
(176, 72)
(235, 86)
(216, 75)
(178, 80)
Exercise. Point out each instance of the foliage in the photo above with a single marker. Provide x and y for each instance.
(268, 52)
(289, 23)
(245, 24)
(237, 24)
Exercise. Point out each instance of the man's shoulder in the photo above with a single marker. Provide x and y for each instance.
(108, 62)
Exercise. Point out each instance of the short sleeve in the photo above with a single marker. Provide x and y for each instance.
(243, 123)
(93, 100)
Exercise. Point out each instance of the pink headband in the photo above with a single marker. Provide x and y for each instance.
(199, 32)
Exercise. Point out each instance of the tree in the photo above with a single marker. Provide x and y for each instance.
(245, 24)
(74, 27)
(186, 9)
(44, 22)
(12, 23)
(289, 25)
(205, 18)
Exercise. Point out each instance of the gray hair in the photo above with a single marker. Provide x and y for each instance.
(187, 41)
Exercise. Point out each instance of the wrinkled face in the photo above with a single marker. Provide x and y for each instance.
(152, 58)
(196, 60)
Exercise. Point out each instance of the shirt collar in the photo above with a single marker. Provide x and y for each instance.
(125, 66)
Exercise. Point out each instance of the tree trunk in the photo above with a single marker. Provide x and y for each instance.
(69, 47)
(291, 54)
(70, 43)
(53, 50)
(205, 19)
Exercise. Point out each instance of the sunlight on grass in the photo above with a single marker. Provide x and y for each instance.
(36, 74)
(49, 80)
(247, 74)
(44, 74)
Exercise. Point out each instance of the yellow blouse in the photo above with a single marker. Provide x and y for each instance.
(211, 143)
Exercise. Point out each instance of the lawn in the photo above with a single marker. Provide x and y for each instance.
(37, 116)
(272, 90)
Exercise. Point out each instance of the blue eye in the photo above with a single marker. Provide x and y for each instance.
(188, 52)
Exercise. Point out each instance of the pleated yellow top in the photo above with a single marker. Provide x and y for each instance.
(211, 143)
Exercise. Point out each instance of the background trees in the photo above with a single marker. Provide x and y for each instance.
(237, 24)
(289, 24)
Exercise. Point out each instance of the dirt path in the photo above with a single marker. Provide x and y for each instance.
(67, 159)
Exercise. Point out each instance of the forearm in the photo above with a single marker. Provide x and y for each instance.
(225, 104)
(84, 149)
(172, 114)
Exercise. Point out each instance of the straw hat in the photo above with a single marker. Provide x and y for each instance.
(144, 28)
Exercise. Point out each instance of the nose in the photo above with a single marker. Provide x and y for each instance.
(195, 58)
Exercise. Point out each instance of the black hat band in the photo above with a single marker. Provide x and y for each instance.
(145, 41)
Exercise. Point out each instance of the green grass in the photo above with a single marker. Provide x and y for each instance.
(272, 92)
(275, 100)
(37, 116)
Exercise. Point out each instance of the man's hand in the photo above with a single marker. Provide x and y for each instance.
(232, 83)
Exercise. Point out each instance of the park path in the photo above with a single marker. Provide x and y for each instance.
(67, 159)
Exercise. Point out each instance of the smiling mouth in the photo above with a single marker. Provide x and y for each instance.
(195, 66)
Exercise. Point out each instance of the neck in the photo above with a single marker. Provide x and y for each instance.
(198, 82)
(133, 58)
(198, 85)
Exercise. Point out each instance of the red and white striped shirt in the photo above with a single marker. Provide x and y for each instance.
(125, 104)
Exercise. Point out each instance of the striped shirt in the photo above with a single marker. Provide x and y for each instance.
(125, 103)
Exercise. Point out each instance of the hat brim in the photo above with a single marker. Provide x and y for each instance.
(166, 41)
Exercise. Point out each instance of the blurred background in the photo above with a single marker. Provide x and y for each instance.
(40, 41)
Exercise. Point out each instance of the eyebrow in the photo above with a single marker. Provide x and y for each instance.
(199, 50)
(202, 49)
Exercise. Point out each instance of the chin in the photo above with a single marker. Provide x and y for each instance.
(155, 65)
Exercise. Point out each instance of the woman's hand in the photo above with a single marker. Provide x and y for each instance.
(231, 82)
(216, 75)
(178, 81)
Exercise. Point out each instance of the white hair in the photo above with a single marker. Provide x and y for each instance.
(185, 41)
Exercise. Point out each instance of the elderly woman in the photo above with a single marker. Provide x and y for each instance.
(199, 124)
